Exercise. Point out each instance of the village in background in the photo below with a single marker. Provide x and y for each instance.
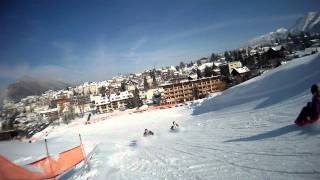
(154, 88)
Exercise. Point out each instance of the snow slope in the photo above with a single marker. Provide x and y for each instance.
(246, 132)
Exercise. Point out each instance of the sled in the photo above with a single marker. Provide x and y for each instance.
(302, 123)
(175, 130)
(150, 133)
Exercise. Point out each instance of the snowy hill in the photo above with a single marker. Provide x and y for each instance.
(308, 23)
(273, 87)
(246, 132)
(267, 39)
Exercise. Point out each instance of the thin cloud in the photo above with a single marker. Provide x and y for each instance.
(102, 62)
(221, 25)
(137, 45)
(67, 49)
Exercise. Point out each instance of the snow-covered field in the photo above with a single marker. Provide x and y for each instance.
(246, 132)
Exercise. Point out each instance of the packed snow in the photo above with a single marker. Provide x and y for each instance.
(245, 132)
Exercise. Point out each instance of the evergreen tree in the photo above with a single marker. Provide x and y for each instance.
(282, 52)
(102, 91)
(207, 71)
(227, 56)
(154, 80)
(123, 86)
(212, 57)
(224, 70)
(214, 66)
(289, 36)
(199, 74)
(177, 68)
(190, 64)
(195, 92)
(182, 65)
(136, 97)
(156, 98)
(135, 101)
(145, 83)
(199, 62)
(233, 55)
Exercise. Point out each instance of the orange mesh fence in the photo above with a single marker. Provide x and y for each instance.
(70, 158)
(163, 106)
(9, 170)
(139, 110)
(50, 167)
(65, 161)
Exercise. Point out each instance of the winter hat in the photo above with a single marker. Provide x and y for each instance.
(314, 89)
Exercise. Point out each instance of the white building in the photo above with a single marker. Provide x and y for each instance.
(107, 104)
(233, 65)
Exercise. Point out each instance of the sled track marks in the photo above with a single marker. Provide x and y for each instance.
(214, 156)
(254, 153)
(195, 160)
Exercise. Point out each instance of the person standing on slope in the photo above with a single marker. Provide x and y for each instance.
(311, 112)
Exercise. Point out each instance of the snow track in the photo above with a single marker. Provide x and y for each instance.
(247, 132)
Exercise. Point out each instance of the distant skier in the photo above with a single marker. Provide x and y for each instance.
(88, 119)
(147, 133)
(174, 126)
(311, 112)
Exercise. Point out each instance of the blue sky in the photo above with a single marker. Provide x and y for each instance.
(77, 41)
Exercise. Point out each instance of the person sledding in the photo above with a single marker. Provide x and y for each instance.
(174, 126)
(311, 112)
(147, 133)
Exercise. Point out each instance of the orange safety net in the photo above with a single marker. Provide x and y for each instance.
(9, 170)
(65, 161)
(70, 158)
(50, 167)
(163, 106)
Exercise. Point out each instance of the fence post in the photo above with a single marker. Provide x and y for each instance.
(84, 153)
(47, 150)
(48, 156)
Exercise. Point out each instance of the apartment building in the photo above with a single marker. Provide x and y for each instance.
(106, 104)
(190, 90)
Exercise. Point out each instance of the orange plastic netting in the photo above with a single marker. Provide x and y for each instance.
(50, 167)
(9, 170)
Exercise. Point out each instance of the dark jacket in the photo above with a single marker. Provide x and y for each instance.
(315, 104)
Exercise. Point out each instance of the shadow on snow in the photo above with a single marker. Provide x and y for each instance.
(309, 130)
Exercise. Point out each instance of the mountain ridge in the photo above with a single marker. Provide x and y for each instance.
(267, 39)
(307, 23)
(27, 86)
